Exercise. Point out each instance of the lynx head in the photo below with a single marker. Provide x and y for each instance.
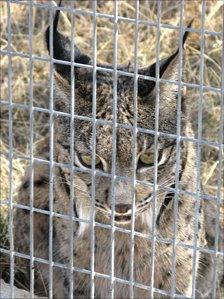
(115, 146)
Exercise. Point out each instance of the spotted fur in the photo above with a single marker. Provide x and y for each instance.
(80, 232)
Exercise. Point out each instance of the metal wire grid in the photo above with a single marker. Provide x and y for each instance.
(31, 117)
(154, 203)
(51, 160)
(199, 141)
(175, 210)
(72, 129)
(10, 158)
(115, 41)
(93, 190)
(198, 154)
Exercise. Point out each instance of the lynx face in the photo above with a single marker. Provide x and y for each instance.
(124, 141)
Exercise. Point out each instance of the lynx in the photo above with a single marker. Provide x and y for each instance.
(149, 205)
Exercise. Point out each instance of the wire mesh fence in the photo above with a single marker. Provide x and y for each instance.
(119, 199)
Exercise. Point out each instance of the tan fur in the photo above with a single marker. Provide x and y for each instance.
(123, 190)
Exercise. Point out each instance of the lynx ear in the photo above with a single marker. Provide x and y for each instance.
(62, 49)
(168, 69)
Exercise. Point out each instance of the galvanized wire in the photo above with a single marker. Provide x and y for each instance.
(114, 145)
(31, 173)
(134, 148)
(85, 271)
(72, 141)
(10, 226)
(93, 147)
(199, 141)
(155, 169)
(220, 181)
(198, 152)
(110, 17)
(51, 158)
(178, 149)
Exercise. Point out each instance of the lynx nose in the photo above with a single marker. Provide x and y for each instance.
(122, 208)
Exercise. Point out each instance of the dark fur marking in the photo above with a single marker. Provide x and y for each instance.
(123, 265)
(209, 239)
(65, 146)
(120, 252)
(171, 195)
(26, 184)
(66, 282)
(38, 183)
(42, 181)
(183, 164)
(165, 203)
(78, 293)
(43, 230)
(46, 208)
(180, 202)
(188, 218)
(67, 190)
(54, 233)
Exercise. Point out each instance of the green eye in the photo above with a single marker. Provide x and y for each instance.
(147, 158)
(87, 159)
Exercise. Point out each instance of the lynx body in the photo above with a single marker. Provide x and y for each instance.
(76, 237)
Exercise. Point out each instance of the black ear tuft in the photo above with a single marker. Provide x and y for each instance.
(187, 32)
(146, 86)
(62, 47)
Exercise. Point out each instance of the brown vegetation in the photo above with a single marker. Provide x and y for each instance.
(20, 93)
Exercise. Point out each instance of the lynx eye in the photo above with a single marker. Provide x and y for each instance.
(87, 160)
(147, 159)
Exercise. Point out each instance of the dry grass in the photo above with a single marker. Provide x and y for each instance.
(83, 30)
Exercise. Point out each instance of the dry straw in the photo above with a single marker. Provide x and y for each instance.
(211, 110)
